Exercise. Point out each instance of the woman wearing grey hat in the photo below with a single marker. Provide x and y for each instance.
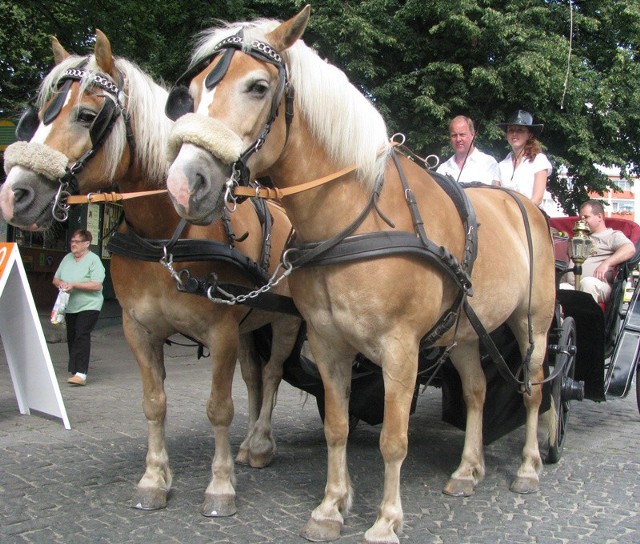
(525, 169)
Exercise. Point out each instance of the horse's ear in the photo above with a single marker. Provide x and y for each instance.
(59, 52)
(102, 51)
(290, 31)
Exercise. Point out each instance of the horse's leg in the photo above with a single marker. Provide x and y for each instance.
(252, 376)
(466, 359)
(527, 479)
(399, 363)
(334, 365)
(154, 486)
(262, 445)
(220, 496)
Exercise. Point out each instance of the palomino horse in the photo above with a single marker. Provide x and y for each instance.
(131, 153)
(341, 181)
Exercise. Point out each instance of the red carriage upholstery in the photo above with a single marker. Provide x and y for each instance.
(561, 244)
(629, 228)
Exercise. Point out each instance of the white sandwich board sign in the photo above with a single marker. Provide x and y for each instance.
(30, 366)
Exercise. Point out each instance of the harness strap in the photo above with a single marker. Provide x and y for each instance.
(479, 328)
(264, 301)
(372, 245)
(131, 245)
(298, 257)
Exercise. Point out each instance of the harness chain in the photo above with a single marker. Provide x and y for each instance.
(131, 245)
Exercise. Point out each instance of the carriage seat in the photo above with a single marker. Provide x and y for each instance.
(565, 224)
(561, 244)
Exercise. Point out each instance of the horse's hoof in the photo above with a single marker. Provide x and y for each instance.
(525, 485)
(243, 457)
(261, 460)
(370, 537)
(218, 506)
(150, 499)
(459, 488)
(321, 531)
(254, 460)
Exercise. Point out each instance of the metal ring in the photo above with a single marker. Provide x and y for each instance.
(434, 158)
(399, 138)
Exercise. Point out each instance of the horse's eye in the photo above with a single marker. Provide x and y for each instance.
(85, 116)
(259, 88)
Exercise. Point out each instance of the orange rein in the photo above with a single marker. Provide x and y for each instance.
(257, 192)
(279, 194)
(93, 198)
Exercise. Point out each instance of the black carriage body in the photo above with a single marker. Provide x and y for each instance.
(590, 340)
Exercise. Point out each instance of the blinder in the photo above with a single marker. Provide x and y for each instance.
(28, 124)
(179, 103)
(56, 104)
(102, 123)
(99, 129)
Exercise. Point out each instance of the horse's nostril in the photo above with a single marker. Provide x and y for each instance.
(23, 199)
(199, 185)
(20, 194)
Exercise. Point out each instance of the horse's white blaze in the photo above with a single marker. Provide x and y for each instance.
(205, 101)
(43, 132)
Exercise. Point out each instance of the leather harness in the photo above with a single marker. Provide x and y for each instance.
(345, 247)
(131, 245)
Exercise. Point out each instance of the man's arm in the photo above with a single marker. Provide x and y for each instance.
(621, 255)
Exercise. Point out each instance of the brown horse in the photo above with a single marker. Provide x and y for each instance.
(383, 306)
(86, 91)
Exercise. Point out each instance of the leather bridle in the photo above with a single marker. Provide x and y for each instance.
(98, 131)
(180, 101)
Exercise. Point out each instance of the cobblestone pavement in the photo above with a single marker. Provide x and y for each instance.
(59, 486)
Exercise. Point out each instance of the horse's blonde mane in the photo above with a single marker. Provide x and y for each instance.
(345, 123)
(144, 100)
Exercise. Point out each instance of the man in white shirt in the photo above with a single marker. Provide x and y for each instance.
(468, 163)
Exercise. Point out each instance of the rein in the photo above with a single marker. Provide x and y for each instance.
(93, 198)
(275, 193)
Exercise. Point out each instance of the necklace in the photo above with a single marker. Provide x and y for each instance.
(515, 162)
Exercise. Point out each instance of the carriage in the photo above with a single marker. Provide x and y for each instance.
(423, 332)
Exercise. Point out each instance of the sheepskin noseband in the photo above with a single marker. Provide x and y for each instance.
(39, 158)
(205, 132)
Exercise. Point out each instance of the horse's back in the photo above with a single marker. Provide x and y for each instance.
(514, 249)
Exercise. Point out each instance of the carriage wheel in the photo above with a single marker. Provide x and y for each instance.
(561, 391)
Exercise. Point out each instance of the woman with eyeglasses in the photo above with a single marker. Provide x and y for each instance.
(81, 274)
(526, 168)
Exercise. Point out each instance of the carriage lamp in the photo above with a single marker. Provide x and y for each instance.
(581, 245)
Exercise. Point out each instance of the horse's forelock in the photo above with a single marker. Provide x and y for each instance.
(207, 40)
(50, 83)
(346, 123)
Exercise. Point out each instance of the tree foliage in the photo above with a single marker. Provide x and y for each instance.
(573, 64)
